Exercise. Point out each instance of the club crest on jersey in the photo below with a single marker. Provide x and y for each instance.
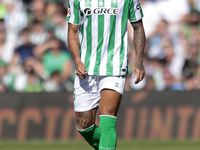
(68, 12)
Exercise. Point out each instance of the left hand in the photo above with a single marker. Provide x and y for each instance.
(140, 73)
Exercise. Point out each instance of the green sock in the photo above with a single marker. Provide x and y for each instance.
(92, 135)
(108, 140)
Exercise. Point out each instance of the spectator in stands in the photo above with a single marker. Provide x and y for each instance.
(174, 62)
(155, 69)
(29, 81)
(6, 47)
(191, 82)
(172, 55)
(15, 20)
(194, 54)
(61, 7)
(26, 49)
(191, 28)
(2, 88)
(22, 52)
(54, 84)
(64, 46)
(171, 83)
(194, 5)
(6, 79)
(38, 33)
(54, 58)
(2, 24)
(51, 9)
(191, 66)
(61, 26)
(155, 40)
(3, 10)
(37, 11)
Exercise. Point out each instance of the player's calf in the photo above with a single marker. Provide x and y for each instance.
(92, 135)
(108, 138)
(87, 128)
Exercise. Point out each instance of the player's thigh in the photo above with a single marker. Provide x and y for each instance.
(86, 94)
(85, 119)
(110, 102)
(111, 93)
(86, 101)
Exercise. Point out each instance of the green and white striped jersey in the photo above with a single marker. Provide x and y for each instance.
(103, 33)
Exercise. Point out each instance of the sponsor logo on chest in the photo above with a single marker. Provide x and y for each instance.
(101, 10)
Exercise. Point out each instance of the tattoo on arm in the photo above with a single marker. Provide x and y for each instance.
(84, 119)
(72, 39)
(79, 45)
(77, 42)
(74, 42)
(139, 42)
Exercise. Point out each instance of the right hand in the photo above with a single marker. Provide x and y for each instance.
(80, 70)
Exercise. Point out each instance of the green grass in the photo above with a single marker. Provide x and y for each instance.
(122, 145)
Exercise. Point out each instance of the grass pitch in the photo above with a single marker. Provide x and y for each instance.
(122, 145)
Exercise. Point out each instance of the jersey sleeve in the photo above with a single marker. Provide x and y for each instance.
(73, 13)
(135, 11)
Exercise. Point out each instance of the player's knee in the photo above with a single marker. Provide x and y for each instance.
(85, 119)
(82, 125)
(108, 111)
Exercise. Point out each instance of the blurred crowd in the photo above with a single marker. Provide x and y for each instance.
(34, 54)
(172, 54)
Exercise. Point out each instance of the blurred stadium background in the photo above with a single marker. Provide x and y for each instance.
(37, 73)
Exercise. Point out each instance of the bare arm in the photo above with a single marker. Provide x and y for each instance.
(139, 42)
(41, 49)
(74, 46)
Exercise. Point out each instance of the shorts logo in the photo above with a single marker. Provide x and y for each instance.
(138, 7)
(87, 11)
(116, 84)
